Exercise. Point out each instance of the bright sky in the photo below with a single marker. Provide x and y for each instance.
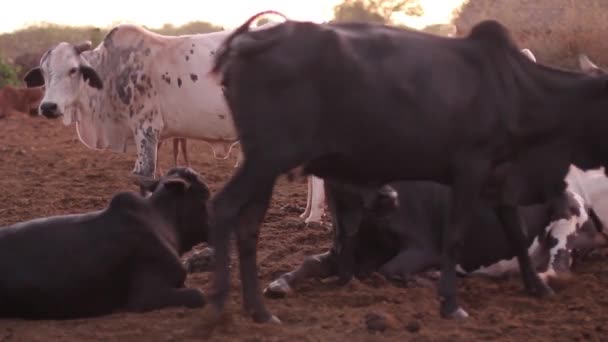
(228, 13)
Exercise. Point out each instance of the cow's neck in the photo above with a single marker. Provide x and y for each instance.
(166, 207)
(95, 102)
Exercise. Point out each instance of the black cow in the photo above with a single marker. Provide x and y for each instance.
(399, 243)
(368, 104)
(124, 257)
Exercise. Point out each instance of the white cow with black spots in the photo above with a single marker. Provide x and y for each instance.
(136, 89)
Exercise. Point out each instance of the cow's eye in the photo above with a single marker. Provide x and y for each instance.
(73, 71)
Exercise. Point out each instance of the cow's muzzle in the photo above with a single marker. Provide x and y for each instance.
(49, 110)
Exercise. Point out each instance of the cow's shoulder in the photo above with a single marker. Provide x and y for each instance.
(126, 203)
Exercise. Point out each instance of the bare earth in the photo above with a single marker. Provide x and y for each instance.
(46, 171)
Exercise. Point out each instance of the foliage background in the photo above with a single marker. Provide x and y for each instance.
(555, 30)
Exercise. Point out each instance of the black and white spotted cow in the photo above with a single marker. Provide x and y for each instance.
(402, 242)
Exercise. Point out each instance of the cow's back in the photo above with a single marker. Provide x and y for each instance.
(65, 266)
(168, 75)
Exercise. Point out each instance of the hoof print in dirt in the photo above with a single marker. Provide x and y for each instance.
(292, 209)
(316, 225)
(200, 261)
(380, 321)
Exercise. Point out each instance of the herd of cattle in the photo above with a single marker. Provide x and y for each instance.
(458, 154)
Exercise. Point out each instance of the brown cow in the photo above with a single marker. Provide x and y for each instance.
(18, 100)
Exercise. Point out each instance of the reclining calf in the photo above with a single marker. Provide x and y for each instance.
(403, 241)
(125, 257)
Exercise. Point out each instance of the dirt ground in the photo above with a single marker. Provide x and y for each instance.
(45, 170)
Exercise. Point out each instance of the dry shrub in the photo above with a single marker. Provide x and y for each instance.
(555, 30)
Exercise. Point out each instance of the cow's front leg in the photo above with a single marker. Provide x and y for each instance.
(151, 290)
(146, 141)
(346, 205)
(315, 266)
(157, 279)
(240, 207)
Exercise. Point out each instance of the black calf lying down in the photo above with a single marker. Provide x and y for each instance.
(407, 240)
(124, 257)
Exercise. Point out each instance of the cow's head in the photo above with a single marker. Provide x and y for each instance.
(62, 71)
(385, 201)
(181, 196)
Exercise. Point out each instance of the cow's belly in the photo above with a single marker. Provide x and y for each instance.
(200, 126)
(207, 120)
(499, 266)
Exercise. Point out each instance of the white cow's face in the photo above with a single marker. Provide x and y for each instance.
(62, 70)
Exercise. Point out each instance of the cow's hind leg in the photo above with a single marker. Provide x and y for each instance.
(513, 227)
(241, 206)
(175, 151)
(315, 266)
(184, 144)
(409, 262)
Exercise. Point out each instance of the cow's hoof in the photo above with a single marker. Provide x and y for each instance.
(457, 314)
(266, 318)
(541, 288)
(200, 261)
(277, 289)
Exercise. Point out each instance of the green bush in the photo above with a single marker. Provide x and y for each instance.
(8, 74)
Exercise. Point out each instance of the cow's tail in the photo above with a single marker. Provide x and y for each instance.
(243, 45)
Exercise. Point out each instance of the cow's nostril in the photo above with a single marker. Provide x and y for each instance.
(48, 108)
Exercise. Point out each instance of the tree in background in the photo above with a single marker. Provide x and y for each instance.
(8, 74)
(376, 11)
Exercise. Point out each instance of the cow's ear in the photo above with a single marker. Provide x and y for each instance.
(176, 183)
(34, 78)
(146, 185)
(90, 75)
